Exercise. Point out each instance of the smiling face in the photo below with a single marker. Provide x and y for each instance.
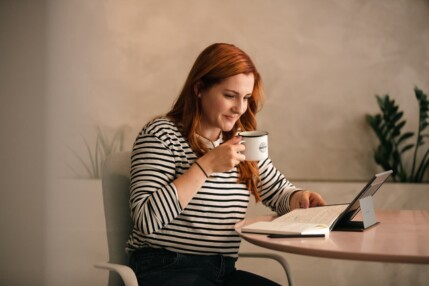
(224, 103)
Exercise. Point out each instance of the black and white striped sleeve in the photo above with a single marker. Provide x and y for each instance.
(275, 189)
(153, 198)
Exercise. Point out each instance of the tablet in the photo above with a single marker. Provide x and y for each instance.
(345, 219)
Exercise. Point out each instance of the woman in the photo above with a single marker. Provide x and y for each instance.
(190, 183)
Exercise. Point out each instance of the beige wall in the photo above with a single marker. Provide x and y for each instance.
(115, 64)
(119, 63)
(22, 123)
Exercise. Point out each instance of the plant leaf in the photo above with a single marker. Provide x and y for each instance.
(91, 158)
(405, 136)
(406, 148)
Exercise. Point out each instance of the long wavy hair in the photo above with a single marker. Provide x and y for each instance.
(216, 63)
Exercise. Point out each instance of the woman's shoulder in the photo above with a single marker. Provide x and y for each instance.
(161, 126)
(160, 122)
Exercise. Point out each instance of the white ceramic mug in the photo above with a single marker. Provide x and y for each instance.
(256, 143)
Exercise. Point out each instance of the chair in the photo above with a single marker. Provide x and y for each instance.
(115, 185)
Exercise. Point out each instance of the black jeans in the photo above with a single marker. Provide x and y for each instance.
(161, 267)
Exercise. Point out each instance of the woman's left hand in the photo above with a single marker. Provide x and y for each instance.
(305, 199)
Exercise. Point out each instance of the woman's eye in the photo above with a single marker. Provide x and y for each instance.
(229, 96)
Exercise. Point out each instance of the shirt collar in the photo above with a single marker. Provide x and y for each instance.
(211, 144)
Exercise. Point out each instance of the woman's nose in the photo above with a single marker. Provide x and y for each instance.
(239, 106)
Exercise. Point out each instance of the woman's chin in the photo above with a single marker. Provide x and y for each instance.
(228, 127)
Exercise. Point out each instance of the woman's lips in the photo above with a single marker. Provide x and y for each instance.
(231, 117)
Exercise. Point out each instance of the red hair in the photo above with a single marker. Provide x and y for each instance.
(216, 63)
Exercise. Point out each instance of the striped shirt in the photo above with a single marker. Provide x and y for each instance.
(206, 226)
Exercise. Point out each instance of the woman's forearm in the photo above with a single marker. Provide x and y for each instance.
(188, 184)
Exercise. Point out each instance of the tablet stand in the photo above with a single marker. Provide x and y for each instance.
(368, 218)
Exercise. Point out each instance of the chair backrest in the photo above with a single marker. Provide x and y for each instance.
(116, 194)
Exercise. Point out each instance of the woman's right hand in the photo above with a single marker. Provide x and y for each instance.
(221, 159)
(224, 157)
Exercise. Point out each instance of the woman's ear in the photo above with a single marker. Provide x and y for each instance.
(197, 89)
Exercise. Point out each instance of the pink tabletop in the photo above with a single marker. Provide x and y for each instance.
(401, 236)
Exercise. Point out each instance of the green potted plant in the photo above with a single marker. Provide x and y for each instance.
(394, 145)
